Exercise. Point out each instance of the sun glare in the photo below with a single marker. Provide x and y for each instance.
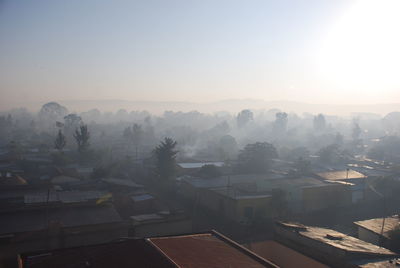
(362, 50)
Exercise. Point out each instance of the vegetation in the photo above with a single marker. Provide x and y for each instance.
(256, 158)
(60, 141)
(165, 155)
(209, 171)
(82, 137)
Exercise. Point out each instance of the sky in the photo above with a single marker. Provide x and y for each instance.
(314, 51)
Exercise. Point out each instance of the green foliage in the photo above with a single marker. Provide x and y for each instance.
(60, 141)
(256, 158)
(165, 155)
(82, 137)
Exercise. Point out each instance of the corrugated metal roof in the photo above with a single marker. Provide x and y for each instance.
(142, 197)
(200, 164)
(122, 182)
(27, 221)
(204, 250)
(341, 175)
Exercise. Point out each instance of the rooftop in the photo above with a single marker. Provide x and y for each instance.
(234, 194)
(194, 251)
(229, 180)
(341, 175)
(121, 182)
(338, 240)
(63, 196)
(200, 164)
(207, 250)
(375, 225)
(37, 220)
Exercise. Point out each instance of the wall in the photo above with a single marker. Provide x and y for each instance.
(368, 236)
(318, 198)
(163, 228)
(283, 256)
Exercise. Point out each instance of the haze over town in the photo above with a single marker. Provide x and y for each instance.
(200, 133)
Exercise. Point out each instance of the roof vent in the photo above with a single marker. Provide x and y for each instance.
(334, 237)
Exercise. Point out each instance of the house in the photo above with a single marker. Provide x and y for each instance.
(357, 179)
(59, 227)
(121, 184)
(376, 231)
(159, 223)
(235, 205)
(333, 248)
(231, 195)
(306, 194)
(209, 250)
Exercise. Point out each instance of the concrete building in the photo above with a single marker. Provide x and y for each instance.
(232, 195)
(235, 205)
(376, 231)
(333, 248)
(357, 180)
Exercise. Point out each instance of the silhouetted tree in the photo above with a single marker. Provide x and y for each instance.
(302, 166)
(72, 121)
(280, 124)
(82, 137)
(60, 141)
(165, 155)
(356, 131)
(329, 154)
(319, 122)
(209, 171)
(244, 117)
(256, 157)
(229, 147)
(52, 111)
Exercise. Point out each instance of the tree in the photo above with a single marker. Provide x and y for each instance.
(165, 155)
(60, 141)
(127, 133)
(228, 146)
(137, 134)
(356, 131)
(52, 111)
(280, 124)
(244, 117)
(302, 166)
(82, 136)
(256, 157)
(319, 122)
(72, 121)
(209, 171)
(330, 154)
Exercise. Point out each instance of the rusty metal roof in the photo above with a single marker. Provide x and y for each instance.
(207, 250)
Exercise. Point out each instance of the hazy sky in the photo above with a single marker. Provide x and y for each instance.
(317, 51)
